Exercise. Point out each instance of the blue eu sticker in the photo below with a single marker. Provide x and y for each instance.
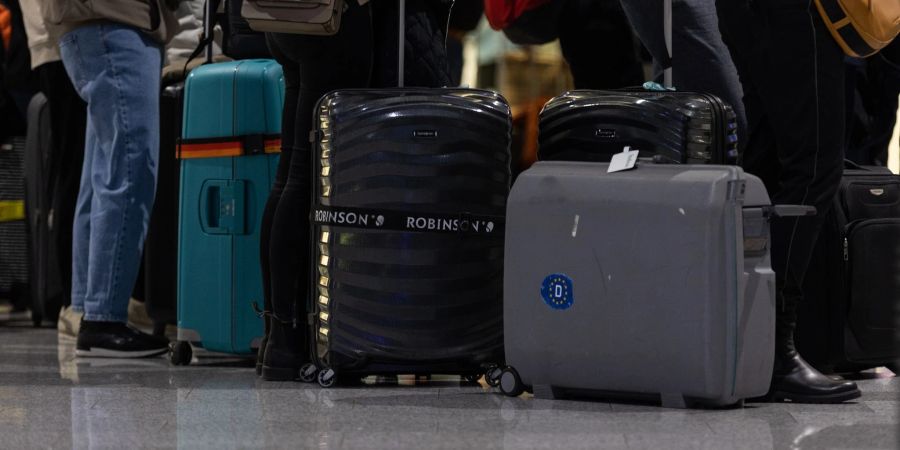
(557, 291)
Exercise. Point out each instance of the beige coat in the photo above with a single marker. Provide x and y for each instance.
(42, 40)
(151, 16)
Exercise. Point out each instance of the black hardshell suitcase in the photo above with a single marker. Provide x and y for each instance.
(410, 190)
(669, 126)
(850, 317)
(160, 261)
(46, 281)
(13, 226)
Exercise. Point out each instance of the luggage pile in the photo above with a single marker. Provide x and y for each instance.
(642, 274)
(649, 280)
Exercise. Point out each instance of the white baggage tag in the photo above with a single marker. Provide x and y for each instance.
(623, 161)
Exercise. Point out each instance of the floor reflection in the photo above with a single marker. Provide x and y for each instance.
(51, 399)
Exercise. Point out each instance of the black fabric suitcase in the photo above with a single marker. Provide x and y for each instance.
(410, 189)
(850, 317)
(160, 261)
(47, 291)
(669, 126)
(13, 226)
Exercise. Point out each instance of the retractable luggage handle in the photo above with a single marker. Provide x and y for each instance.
(401, 43)
(667, 31)
(784, 211)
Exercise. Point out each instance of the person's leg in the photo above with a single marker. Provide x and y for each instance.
(116, 71)
(700, 61)
(598, 44)
(793, 72)
(325, 64)
(289, 111)
(81, 226)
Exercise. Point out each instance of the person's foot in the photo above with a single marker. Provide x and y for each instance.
(284, 353)
(68, 324)
(117, 340)
(795, 380)
(138, 317)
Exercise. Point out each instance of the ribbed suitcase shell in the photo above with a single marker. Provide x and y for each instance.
(409, 302)
(666, 301)
(680, 127)
(222, 202)
(44, 265)
(13, 233)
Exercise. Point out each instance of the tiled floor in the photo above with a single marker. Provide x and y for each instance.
(50, 399)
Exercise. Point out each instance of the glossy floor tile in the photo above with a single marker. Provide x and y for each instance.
(50, 399)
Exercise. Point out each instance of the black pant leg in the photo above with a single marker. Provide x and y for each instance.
(793, 76)
(291, 97)
(324, 64)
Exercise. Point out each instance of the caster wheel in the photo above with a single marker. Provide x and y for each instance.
(510, 383)
(181, 353)
(492, 375)
(308, 373)
(472, 378)
(327, 378)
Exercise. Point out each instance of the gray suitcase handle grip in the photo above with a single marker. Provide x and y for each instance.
(780, 211)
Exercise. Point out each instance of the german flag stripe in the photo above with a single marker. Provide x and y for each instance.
(218, 149)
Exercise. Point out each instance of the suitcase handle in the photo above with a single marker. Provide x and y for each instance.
(780, 211)
(222, 207)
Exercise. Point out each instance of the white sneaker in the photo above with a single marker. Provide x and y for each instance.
(68, 324)
(138, 317)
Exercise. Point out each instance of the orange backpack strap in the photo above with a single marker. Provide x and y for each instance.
(861, 27)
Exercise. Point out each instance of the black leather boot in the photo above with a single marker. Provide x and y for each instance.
(285, 350)
(793, 378)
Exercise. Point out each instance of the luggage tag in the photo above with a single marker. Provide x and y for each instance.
(623, 161)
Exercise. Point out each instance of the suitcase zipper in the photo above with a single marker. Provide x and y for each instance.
(846, 249)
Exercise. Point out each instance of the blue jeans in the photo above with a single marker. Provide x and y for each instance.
(116, 71)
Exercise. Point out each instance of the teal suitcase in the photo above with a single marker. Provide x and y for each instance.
(228, 152)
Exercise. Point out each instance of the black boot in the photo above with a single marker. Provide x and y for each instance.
(285, 350)
(793, 378)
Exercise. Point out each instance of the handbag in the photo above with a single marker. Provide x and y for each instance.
(315, 17)
(861, 27)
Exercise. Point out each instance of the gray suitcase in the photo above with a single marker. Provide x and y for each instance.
(653, 283)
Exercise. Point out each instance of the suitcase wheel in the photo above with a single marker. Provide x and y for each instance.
(308, 373)
(492, 375)
(327, 378)
(181, 353)
(510, 383)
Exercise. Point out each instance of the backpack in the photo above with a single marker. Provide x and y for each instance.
(502, 13)
(525, 22)
(861, 27)
(316, 17)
